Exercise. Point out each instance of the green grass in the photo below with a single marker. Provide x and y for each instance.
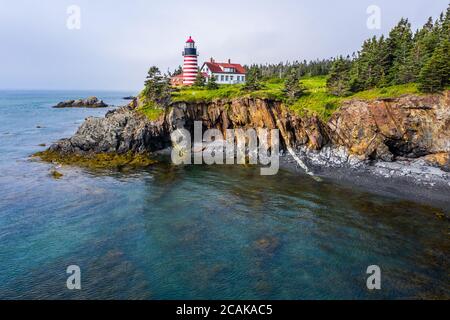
(317, 100)
(388, 92)
(320, 102)
(272, 89)
(195, 94)
(151, 111)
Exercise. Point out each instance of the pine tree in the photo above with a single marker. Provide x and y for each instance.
(435, 74)
(370, 67)
(425, 42)
(339, 77)
(253, 81)
(199, 80)
(212, 84)
(445, 25)
(293, 88)
(157, 87)
(399, 46)
(178, 71)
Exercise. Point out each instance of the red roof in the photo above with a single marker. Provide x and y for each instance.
(190, 40)
(216, 67)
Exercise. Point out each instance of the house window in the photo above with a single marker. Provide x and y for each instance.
(222, 78)
(226, 78)
(231, 78)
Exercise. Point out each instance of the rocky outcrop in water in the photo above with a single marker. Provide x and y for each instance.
(120, 131)
(91, 102)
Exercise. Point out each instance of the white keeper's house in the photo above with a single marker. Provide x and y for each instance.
(224, 72)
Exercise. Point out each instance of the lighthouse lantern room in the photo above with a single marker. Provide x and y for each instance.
(190, 66)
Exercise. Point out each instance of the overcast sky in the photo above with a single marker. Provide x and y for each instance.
(119, 40)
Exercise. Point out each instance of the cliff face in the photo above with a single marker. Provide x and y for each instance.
(406, 127)
(409, 127)
(250, 113)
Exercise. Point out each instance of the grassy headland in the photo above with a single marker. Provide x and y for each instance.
(316, 99)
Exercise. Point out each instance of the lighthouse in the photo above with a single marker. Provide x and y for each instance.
(190, 66)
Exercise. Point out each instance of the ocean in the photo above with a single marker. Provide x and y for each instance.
(197, 232)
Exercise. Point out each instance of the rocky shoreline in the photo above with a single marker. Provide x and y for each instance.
(414, 181)
(404, 139)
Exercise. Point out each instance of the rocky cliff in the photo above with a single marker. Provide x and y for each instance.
(409, 127)
(121, 131)
(388, 129)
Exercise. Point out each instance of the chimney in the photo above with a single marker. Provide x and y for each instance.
(212, 60)
(229, 61)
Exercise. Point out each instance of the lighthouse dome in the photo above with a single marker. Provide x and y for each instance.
(190, 40)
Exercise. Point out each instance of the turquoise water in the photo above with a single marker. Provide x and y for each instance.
(197, 232)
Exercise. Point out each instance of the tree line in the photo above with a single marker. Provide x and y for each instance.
(400, 58)
(282, 70)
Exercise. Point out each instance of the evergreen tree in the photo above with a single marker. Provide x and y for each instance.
(177, 71)
(339, 77)
(157, 87)
(370, 67)
(199, 80)
(212, 84)
(445, 25)
(283, 69)
(425, 42)
(293, 88)
(399, 45)
(253, 81)
(435, 74)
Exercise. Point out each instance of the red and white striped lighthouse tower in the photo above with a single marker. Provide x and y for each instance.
(190, 67)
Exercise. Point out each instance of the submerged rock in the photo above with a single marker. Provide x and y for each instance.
(56, 175)
(91, 102)
(97, 161)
